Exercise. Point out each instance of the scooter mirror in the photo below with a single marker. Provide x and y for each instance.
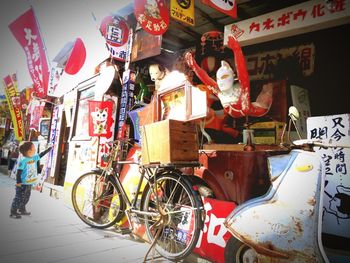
(293, 113)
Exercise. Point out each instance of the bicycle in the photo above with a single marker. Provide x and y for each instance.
(170, 208)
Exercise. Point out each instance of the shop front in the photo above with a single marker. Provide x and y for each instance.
(240, 114)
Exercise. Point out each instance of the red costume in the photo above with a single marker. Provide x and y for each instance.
(235, 98)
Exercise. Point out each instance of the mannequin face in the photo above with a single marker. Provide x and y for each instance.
(225, 77)
(155, 72)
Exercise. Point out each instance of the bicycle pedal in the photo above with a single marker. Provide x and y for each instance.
(124, 230)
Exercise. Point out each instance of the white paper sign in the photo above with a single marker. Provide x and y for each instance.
(336, 216)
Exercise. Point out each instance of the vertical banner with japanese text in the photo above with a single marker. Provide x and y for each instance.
(336, 209)
(26, 31)
(14, 103)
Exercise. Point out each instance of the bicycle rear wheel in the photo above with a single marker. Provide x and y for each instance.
(177, 227)
(96, 200)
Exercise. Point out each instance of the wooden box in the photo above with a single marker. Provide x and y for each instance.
(169, 141)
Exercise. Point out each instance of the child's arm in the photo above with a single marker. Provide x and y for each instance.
(45, 152)
(18, 178)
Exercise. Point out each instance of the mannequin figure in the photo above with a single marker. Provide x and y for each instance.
(234, 97)
(157, 73)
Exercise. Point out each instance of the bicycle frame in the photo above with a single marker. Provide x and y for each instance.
(131, 204)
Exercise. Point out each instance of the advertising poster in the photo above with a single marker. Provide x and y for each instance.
(182, 11)
(152, 15)
(116, 32)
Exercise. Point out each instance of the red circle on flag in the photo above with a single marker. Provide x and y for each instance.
(76, 58)
(115, 30)
(152, 15)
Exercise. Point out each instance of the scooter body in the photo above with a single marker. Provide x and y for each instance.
(284, 225)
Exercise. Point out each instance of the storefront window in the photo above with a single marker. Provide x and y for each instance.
(81, 130)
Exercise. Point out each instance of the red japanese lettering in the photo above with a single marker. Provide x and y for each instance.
(268, 24)
(318, 10)
(254, 26)
(337, 6)
(300, 13)
(284, 19)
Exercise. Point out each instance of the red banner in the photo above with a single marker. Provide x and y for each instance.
(152, 15)
(14, 103)
(35, 116)
(26, 31)
(228, 7)
(100, 118)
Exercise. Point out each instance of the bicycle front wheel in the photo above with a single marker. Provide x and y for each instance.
(176, 230)
(96, 200)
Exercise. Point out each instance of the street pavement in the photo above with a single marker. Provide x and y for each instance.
(54, 233)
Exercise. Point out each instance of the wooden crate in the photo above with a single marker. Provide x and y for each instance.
(169, 141)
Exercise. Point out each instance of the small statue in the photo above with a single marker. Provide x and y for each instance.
(234, 97)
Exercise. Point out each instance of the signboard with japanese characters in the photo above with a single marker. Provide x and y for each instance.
(152, 15)
(336, 210)
(298, 19)
(263, 65)
(182, 11)
(116, 31)
(228, 7)
(26, 31)
(14, 104)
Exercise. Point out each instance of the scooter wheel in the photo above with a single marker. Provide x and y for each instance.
(238, 252)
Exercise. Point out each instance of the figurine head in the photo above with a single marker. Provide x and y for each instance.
(225, 76)
(157, 72)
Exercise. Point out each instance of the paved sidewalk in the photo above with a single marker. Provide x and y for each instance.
(53, 233)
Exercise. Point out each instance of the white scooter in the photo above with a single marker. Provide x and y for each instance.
(285, 224)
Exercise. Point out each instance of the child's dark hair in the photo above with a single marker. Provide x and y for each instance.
(25, 147)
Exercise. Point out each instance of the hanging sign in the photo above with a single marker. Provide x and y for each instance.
(298, 19)
(152, 15)
(14, 103)
(182, 11)
(100, 118)
(228, 7)
(115, 30)
(26, 31)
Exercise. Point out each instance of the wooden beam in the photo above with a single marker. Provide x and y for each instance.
(214, 22)
(187, 30)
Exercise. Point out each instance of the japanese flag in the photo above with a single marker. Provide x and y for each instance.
(80, 63)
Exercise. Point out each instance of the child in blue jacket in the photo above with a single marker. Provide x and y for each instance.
(26, 177)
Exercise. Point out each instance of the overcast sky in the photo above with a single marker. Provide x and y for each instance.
(60, 21)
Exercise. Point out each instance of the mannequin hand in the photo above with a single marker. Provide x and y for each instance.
(189, 59)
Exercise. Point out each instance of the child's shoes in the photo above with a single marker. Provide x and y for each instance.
(15, 214)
